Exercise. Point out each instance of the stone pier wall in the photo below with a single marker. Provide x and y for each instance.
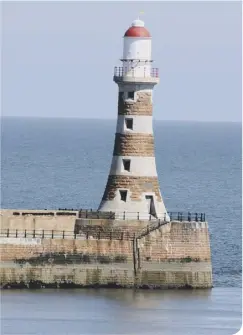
(175, 254)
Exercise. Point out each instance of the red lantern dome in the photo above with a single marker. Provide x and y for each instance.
(137, 29)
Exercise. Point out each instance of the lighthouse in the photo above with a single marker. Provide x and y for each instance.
(133, 186)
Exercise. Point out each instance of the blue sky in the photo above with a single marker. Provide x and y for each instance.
(58, 58)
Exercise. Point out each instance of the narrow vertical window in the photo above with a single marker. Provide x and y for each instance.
(126, 164)
(130, 95)
(123, 195)
(129, 123)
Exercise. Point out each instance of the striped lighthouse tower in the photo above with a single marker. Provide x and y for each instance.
(133, 185)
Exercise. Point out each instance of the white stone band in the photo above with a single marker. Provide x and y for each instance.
(139, 166)
(132, 208)
(141, 124)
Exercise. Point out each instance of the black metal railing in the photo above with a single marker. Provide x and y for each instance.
(170, 216)
(122, 72)
(86, 234)
(180, 216)
(94, 214)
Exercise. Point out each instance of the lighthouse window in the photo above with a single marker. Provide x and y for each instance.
(130, 95)
(129, 123)
(123, 195)
(126, 164)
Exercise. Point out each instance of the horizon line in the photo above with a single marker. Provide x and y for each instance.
(112, 119)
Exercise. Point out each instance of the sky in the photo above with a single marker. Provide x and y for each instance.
(58, 58)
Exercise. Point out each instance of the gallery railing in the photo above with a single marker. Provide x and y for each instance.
(119, 71)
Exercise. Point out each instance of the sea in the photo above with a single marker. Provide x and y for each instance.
(50, 163)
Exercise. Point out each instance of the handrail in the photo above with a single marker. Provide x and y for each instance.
(89, 234)
(119, 71)
(170, 216)
(94, 214)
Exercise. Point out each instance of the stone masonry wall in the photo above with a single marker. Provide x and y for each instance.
(175, 254)
(142, 106)
(14, 252)
(175, 241)
(134, 145)
(136, 185)
(57, 262)
(33, 222)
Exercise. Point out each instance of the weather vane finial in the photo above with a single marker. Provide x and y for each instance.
(140, 13)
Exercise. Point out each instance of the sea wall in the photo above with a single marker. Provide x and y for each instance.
(107, 253)
(176, 254)
(52, 262)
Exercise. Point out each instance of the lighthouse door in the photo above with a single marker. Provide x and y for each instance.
(150, 204)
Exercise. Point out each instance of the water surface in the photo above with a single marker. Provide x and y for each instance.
(57, 312)
(52, 163)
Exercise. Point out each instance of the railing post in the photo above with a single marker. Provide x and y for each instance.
(43, 233)
(122, 235)
(25, 233)
(87, 235)
(138, 215)
(16, 233)
(34, 233)
(196, 218)
(75, 235)
(189, 216)
(99, 235)
(7, 232)
(124, 215)
(52, 234)
(63, 234)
